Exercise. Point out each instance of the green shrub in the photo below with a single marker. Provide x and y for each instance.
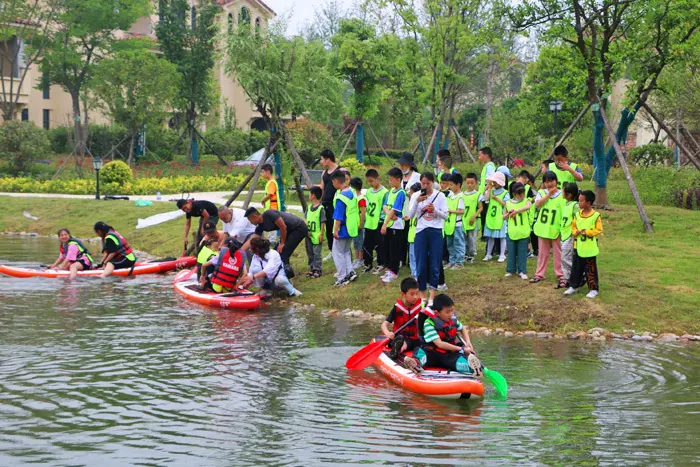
(102, 138)
(356, 169)
(310, 138)
(650, 154)
(164, 143)
(21, 144)
(59, 140)
(256, 140)
(229, 144)
(116, 172)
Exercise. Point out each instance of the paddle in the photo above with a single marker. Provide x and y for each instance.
(369, 353)
(495, 378)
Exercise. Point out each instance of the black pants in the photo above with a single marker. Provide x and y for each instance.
(328, 206)
(534, 242)
(404, 244)
(374, 240)
(584, 271)
(394, 240)
(294, 238)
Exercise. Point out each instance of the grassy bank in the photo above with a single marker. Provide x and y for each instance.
(648, 282)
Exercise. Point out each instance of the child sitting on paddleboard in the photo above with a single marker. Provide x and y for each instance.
(404, 310)
(442, 347)
(228, 267)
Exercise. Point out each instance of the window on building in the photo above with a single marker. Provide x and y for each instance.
(193, 23)
(244, 18)
(230, 23)
(46, 85)
(25, 115)
(47, 119)
(257, 26)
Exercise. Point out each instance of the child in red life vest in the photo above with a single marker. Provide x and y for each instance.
(406, 308)
(442, 347)
(229, 265)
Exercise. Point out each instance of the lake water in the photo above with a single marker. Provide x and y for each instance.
(124, 372)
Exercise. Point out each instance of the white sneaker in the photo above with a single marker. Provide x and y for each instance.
(442, 287)
(378, 270)
(296, 293)
(501, 259)
(390, 277)
(358, 264)
(457, 266)
(508, 275)
(487, 258)
(330, 256)
(592, 294)
(570, 291)
(523, 276)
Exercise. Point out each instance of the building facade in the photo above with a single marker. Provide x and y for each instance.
(49, 106)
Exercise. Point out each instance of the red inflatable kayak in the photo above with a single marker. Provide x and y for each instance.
(140, 268)
(186, 284)
(433, 382)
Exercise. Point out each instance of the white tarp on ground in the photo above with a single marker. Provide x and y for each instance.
(159, 219)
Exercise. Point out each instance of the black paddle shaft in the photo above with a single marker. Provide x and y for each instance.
(404, 326)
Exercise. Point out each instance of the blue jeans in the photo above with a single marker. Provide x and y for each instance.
(456, 246)
(428, 251)
(412, 259)
(517, 256)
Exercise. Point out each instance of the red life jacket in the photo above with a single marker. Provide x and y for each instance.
(227, 269)
(446, 331)
(403, 315)
(123, 247)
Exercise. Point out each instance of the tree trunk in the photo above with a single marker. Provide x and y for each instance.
(272, 142)
(77, 126)
(490, 78)
(630, 181)
(691, 156)
(297, 158)
(131, 148)
(242, 186)
(600, 177)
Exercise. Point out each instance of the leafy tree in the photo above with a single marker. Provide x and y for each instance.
(135, 87)
(24, 28)
(85, 33)
(191, 46)
(21, 144)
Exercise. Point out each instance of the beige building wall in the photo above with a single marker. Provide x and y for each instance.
(36, 107)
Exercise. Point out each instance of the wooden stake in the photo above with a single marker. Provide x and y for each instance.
(297, 158)
(690, 136)
(379, 143)
(430, 146)
(242, 186)
(569, 130)
(463, 143)
(258, 169)
(690, 154)
(633, 188)
(300, 193)
(352, 133)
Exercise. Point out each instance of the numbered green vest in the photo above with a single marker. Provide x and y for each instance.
(451, 222)
(563, 176)
(412, 229)
(471, 205)
(375, 201)
(390, 200)
(587, 247)
(352, 218)
(482, 180)
(313, 222)
(274, 199)
(494, 216)
(548, 223)
(518, 226)
(567, 217)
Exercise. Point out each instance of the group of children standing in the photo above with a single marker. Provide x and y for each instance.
(512, 214)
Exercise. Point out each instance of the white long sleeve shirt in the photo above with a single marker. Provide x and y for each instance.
(271, 264)
(435, 219)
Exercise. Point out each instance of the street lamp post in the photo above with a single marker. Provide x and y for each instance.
(97, 164)
(555, 108)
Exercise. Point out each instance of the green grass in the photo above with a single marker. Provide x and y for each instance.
(648, 282)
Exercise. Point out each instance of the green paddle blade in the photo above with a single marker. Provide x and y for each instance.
(498, 381)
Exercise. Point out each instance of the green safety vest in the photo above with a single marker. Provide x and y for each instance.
(587, 247)
(205, 254)
(274, 199)
(82, 251)
(471, 205)
(451, 222)
(122, 247)
(313, 222)
(548, 223)
(494, 217)
(439, 175)
(567, 217)
(482, 180)
(375, 201)
(360, 197)
(518, 226)
(352, 217)
(390, 202)
(563, 176)
(412, 229)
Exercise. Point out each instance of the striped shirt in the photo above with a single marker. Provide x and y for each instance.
(429, 332)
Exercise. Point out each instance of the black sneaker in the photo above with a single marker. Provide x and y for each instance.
(367, 269)
(341, 282)
(396, 347)
(413, 365)
(351, 277)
